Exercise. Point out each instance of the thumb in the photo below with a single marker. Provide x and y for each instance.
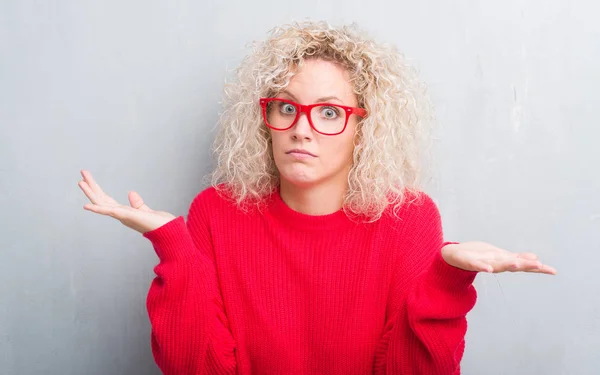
(137, 202)
(482, 266)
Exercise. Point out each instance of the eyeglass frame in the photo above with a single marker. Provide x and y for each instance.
(301, 108)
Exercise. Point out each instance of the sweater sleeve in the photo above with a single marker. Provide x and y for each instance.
(427, 303)
(190, 331)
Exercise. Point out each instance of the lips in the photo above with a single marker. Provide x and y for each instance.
(300, 151)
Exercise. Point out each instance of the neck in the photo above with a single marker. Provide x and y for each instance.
(320, 199)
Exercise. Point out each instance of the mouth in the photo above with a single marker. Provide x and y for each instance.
(300, 153)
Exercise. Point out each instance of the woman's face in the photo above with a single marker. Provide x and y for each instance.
(317, 81)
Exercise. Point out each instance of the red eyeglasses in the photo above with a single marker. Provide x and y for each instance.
(325, 118)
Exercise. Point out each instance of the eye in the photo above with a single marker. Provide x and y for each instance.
(330, 112)
(287, 109)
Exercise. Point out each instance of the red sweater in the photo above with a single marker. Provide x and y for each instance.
(282, 292)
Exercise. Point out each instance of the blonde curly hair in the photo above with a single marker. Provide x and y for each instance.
(391, 142)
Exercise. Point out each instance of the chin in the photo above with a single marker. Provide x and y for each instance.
(300, 181)
(298, 177)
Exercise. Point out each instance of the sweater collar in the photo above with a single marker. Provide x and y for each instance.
(289, 217)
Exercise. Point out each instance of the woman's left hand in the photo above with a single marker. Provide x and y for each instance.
(484, 257)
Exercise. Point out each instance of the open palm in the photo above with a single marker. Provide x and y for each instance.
(484, 257)
(137, 215)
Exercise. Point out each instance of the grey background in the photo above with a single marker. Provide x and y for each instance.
(130, 90)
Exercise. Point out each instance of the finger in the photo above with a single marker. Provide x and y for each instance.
(118, 212)
(88, 192)
(519, 264)
(545, 269)
(87, 176)
(530, 256)
(538, 268)
(100, 199)
(136, 201)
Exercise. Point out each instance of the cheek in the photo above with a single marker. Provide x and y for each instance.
(346, 141)
(276, 143)
(339, 151)
(277, 146)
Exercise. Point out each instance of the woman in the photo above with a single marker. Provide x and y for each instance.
(314, 251)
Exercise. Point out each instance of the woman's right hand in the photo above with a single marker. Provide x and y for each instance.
(138, 216)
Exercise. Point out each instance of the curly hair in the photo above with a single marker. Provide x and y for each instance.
(391, 142)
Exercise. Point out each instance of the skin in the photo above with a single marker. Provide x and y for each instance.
(315, 185)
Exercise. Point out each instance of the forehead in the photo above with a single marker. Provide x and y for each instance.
(319, 78)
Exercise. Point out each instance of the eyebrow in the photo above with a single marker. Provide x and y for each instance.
(320, 100)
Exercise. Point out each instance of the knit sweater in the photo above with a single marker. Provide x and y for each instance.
(283, 292)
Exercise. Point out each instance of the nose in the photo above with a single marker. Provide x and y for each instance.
(302, 128)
